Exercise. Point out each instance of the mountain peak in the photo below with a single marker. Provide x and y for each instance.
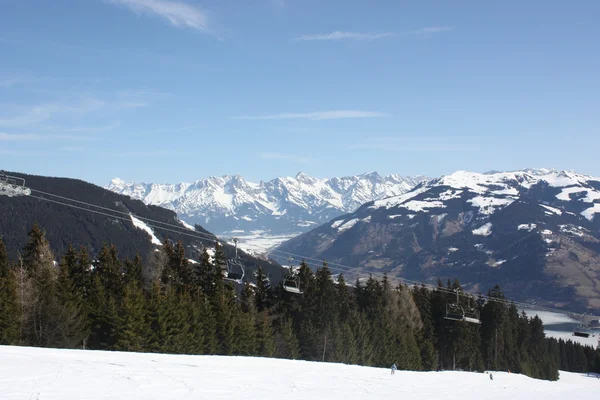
(280, 206)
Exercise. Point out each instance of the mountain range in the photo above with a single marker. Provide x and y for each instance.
(534, 232)
(284, 206)
(74, 212)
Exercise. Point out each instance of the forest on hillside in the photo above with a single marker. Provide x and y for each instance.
(170, 305)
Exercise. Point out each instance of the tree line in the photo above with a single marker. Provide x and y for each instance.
(173, 305)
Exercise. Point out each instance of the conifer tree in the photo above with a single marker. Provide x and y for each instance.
(9, 303)
(71, 317)
(286, 342)
(131, 328)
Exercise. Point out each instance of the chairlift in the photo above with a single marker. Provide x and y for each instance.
(13, 186)
(456, 312)
(291, 282)
(235, 269)
(582, 331)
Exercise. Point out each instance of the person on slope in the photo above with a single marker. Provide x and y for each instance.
(491, 377)
(394, 369)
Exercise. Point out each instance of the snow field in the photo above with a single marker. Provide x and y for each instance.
(35, 373)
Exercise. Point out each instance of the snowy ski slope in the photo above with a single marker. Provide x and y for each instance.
(30, 373)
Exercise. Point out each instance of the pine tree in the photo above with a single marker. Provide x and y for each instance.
(109, 269)
(40, 325)
(265, 337)
(71, 317)
(10, 315)
(205, 276)
(261, 293)
(131, 329)
(4, 264)
(286, 342)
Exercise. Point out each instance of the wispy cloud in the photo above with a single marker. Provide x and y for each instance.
(318, 115)
(415, 144)
(177, 13)
(14, 81)
(34, 137)
(287, 157)
(157, 153)
(81, 129)
(339, 35)
(429, 30)
(46, 111)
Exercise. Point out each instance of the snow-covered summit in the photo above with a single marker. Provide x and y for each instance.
(281, 206)
(495, 190)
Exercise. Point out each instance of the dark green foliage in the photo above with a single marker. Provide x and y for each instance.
(190, 309)
(10, 313)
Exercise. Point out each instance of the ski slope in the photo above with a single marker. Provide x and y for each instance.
(49, 374)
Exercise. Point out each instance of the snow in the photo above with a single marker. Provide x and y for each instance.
(589, 213)
(527, 227)
(397, 200)
(420, 205)
(337, 223)
(452, 249)
(572, 229)
(489, 205)
(484, 230)
(141, 225)
(552, 209)
(564, 194)
(394, 216)
(348, 224)
(37, 373)
(230, 197)
(546, 232)
(258, 242)
(186, 225)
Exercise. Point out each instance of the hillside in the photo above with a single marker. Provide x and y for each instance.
(284, 206)
(75, 374)
(65, 225)
(534, 232)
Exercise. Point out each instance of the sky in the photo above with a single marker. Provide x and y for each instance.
(170, 91)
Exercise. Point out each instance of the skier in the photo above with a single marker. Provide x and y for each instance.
(491, 377)
(393, 368)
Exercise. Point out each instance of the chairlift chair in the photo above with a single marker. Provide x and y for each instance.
(235, 269)
(291, 282)
(582, 331)
(13, 186)
(456, 312)
(581, 334)
(472, 316)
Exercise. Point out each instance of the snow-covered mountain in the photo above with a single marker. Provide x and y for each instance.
(536, 232)
(282, 206)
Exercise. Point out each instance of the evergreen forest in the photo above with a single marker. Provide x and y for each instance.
(169, 304)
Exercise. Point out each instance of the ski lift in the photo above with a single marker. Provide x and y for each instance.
(291, 282)
(13, 186)
(235, 270)
(582, 331)
(456, 312)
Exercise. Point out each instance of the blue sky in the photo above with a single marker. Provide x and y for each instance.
(169, 91)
